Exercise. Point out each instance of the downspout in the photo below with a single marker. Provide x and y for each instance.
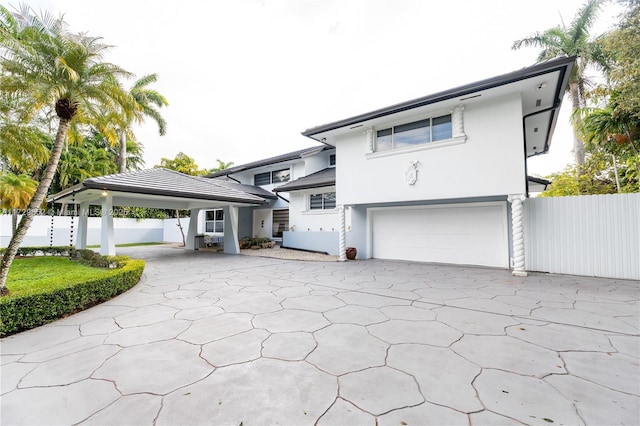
(233, 179)
(280, 196)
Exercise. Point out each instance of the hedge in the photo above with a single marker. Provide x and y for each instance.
(21, 313)
(43, 250)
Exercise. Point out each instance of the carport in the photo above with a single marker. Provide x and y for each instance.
(164, 189)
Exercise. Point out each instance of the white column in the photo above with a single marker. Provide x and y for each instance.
(81, 238)
(342, 235)
(517, 233)
(107, 239)
(231, 245)
(190, 240)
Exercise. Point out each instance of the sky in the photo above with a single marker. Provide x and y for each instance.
(245, 77)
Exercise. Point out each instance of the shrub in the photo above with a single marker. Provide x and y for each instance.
(258, 242)
(92, 258)
(23, 312)
(43, 251)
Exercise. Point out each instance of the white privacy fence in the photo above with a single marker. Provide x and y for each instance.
(125, 230)
(594, 235)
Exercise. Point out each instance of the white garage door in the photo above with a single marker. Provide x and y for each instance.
(468, 234)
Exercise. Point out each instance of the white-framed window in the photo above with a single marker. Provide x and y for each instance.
(214, 221)
(415, 133)
(332, 160)
(276, 176)
(324, 201)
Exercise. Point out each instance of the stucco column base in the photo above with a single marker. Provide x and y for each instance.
(519, 273)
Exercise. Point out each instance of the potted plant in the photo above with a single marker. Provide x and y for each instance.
(351, 253)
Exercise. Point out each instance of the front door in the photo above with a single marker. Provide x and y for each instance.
(262, 224)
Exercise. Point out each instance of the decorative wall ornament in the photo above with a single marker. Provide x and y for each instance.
(457, 121)
(411, 172)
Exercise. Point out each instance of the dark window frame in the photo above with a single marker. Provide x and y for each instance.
(440, 128)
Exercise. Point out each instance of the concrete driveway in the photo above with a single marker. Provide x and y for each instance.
(215, 339)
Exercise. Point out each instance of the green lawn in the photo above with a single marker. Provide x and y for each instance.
(131, 245)
(32, 275)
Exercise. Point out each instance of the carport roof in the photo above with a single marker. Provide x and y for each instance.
(158, 184)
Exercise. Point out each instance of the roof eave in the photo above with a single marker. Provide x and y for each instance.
(501, 80)
(300, 188)
(89, 184)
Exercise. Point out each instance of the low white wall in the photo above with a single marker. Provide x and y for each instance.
(125, 230)
(171, 230)
(315, 241)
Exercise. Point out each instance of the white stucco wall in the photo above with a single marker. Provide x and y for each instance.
(490, 162)
(125, 230)
(306, 220)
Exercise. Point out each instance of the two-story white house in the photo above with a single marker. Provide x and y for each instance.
(442, 178)
(436, 179)
(273, 219)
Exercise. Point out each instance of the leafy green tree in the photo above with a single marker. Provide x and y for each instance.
(601, 174)
(618, 134)
(44, 65)
(571, 41)
(182, 163)
(621, 48)
(15, 193)
(615, 127)
(147, 102)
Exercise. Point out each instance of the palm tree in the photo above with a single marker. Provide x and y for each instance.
(15, 193)
(570, 41)
(619, 133)
(46, 66)
(147, 102)
(222, 165)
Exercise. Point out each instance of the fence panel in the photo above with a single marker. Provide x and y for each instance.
(593, 235)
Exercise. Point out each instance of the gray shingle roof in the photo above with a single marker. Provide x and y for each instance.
(272, 160)
(251, 189)
(326, 177)
(169, 183)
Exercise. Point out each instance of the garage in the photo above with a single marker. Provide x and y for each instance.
(464, 234)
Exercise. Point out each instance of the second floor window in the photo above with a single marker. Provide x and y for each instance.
(267, 178)
(414, 133)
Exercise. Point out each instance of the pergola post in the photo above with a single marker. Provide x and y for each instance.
(107, 239)
(81, 238)
(190, 243)
(231, 244)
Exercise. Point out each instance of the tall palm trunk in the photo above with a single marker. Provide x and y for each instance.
(14, 221)
(578, 144)
(34, 205)
(123, 152)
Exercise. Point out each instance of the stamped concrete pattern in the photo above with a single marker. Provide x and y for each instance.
(208, 338)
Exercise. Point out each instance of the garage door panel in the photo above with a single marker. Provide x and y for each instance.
(473, 234)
